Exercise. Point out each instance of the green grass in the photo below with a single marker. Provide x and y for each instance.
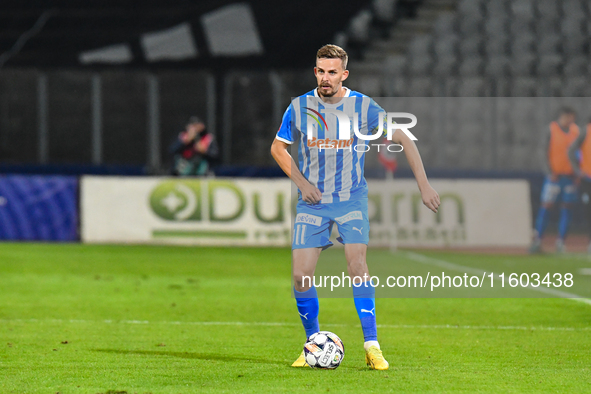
(149, 319)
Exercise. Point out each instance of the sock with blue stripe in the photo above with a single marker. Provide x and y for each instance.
(565, 217)
(307, 302)
(541, 221)
(365, 303)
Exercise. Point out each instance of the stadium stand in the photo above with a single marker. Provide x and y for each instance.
(399, 48)
(514, 47)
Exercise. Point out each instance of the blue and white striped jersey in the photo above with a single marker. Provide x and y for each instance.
(334, 166)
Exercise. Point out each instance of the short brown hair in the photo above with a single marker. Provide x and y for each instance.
(330, 51)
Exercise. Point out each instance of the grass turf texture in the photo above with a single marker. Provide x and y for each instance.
(153, 319)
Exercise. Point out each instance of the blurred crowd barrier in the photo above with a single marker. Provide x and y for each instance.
(131, 118)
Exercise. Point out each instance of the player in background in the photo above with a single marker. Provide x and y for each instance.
(579, 154)
(559, 184)
(332, 189)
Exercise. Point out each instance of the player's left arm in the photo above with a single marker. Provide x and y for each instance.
(428, 194)
(572, 152)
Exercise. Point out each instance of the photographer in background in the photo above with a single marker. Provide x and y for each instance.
(195, 150)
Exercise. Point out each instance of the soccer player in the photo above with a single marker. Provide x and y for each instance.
(579, 154)
(332, 188)
(559, 184)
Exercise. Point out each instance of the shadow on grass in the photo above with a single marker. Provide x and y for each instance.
(222, 357)
(196, 356)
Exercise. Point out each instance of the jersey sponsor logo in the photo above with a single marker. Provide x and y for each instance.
(327, 143)
(353, 215)
(308, 219)
(316, 119)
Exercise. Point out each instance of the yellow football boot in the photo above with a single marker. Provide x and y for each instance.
(301, 361)
(375, 359)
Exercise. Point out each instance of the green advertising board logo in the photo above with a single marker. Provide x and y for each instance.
(177, 201)
(183, 201)
(215, 201)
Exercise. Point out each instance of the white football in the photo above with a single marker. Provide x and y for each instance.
(324, 350)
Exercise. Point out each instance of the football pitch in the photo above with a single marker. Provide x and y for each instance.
(161, 319)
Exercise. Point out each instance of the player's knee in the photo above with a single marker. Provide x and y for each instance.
(357, 267)
(302, 281)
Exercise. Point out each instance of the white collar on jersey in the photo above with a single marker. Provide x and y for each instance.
(347, 92)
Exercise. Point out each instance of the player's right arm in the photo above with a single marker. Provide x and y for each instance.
(279, 150)
(544, 158)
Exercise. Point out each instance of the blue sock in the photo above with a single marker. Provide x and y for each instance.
(308, 308)
(565, 216)
(541, 221)
(365, 303)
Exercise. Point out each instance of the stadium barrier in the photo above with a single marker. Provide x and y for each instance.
(38, 208)
(257, 212)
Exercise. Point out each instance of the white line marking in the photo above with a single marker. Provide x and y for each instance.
(476, 271)
(287, 324)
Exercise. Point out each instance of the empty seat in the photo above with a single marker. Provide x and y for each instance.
(471, 87)
(384, 10)
(471, 9)
(500, 87)
(472, 66)
(395, 64)
(420, 65)
(359, 26)
(517, 27)
(544, 26)
(523, 43)
(445, 24)
(573, 10)
(445, 66)
(575, 66)
(523, 9)
(550, 87)
(421, 45)
(446, 45)
(577, 86)
(572, 28)
(469, 26)
(573, 47)
(495, 46)
(470, 46)
(395, 86)
(523, 64)
(420, 87)
(548, 9)
(497, 65)
(496, 8)
(549, 65)
(524, 87)
(549, 44)
(494, 26)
